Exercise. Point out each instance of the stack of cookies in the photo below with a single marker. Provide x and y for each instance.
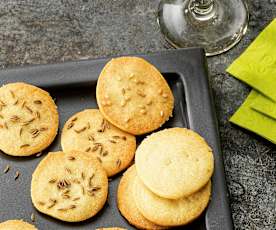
(169, 185)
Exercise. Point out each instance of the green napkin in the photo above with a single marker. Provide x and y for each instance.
(257, 65)
(253, 120)
(264, 105)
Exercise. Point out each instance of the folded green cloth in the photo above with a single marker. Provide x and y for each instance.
(264, 105)
(255, 121)
(257, 65)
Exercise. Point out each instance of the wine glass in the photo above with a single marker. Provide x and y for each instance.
(215, 25)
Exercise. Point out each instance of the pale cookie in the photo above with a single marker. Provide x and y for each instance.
(167, 212)
(69, 186)
(133, 95)
(126, 202)
(88, 131)
(16, 225)
(28, 119)
(174, 163)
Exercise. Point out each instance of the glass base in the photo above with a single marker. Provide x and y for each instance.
(216, 31)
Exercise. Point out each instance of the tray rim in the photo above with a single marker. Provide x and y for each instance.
(218, 214)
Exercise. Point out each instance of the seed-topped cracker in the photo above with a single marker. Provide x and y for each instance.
(69, 186)
(89, 132)
(28, 119)
(133, 95)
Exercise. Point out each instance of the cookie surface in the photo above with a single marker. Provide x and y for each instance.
(88, 131)
(28, 119)
(126, 202)
(169, 212)
(133, 95)
(16, 225)
(69, 186)
(174, 163)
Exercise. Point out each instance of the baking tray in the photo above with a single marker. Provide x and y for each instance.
(73, 85)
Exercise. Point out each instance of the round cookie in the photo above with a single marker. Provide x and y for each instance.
(174, 163)
(16, 225)
(28, 119)
(88, 131)
(167, 212)
(69, 186)
(126, 202)
(133, 95)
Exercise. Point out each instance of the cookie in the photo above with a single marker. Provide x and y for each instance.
(167, 212)
(133, 95)
(16, 225)
(126, 202)
(28, 119)
(69, 186)
(174, 163)
(88, 131)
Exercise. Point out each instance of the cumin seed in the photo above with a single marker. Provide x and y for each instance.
(29, 109)
(70, 125)
(38, 154)
(12, 93)
(91, 138)
(100, 160)
(77, 198)
(37, 114)
(7, 169)
(16, 102)
(52, 181)
(38, 102)
(80, 130)
(25, 145)
(41, 203)
(74, 119)
(88, 149)
(83, 175)
(112, 141)
(33, 217)
(105, 153)
(2, 103)
(71, 158)
(82, 190)
(20, 131)
(118, 163)
(23, 104)
(17, 174)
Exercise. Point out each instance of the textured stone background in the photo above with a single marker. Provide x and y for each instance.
(47, 31)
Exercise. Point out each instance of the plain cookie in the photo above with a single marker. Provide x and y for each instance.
(166, 212)
(28, 119)
(133, 95)
(16, 225)
(174, 163)
(126, 202)
(69, 186)
(88, 131)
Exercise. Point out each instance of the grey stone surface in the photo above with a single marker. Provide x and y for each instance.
(47, 31)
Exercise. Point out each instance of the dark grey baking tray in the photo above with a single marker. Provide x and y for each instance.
(73, 85)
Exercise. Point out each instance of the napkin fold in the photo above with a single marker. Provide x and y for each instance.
(257, 67)
(254, 121)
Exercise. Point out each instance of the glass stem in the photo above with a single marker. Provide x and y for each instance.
(202, 9)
